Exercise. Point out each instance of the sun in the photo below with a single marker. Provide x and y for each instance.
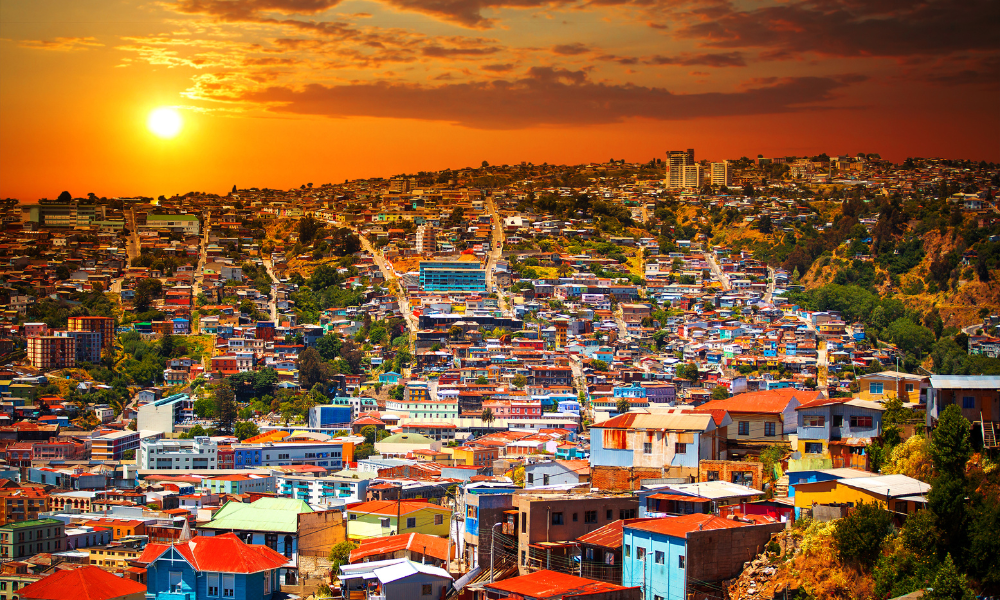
(164, 122)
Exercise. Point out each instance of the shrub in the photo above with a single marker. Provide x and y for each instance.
(859, 536)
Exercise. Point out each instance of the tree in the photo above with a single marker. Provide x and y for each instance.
(764, 224)
(950, 446)
(245, 429)
(204, 408)
(65, 197)
(225, 402)
(312, 369)
(520, 381)
(911, 458)
(949, 584)
(859, 535)
(598, 365)
(984, 543)
(950, 451)
(623, 406)
(340, 554)
(481, 380)
(487, 416)
(128, 455)
(720, 393)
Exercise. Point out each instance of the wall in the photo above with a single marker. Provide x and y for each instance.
(626, 479)
(319, 531)
(726, 468)
(665, 579)
(557, 473)
(717, 554)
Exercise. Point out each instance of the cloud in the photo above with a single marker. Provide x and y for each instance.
(248, 10)
(726, 59)
(61, 44)
(499, 68)
(891, 28)
(545, 96)
(442, 52)
(570, 49)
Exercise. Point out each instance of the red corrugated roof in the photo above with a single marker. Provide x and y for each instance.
(85, 583)
(223, 553)
(416, 542)
(770, 401)
(386, 507)
(681, 526)
(551, 584)
(609, 536)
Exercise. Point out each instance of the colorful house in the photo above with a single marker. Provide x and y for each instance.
(380, 518)
(211, 567)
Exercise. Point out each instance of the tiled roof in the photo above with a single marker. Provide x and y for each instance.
(85, 583)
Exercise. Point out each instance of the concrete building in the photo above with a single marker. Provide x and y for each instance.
(198, 453)
(692, 177)
(676, 161)
(111, 446)
(163, 414)
(87, 343)
(52, 352)
(102, 325)
(329, 455)
(186, 224)
(720, 174)
(28, 538)
(446, 276)
(426, 239)
(380, 518)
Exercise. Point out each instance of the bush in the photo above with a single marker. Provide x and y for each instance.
(859, 536)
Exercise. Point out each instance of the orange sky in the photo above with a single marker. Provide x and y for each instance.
(278, 93)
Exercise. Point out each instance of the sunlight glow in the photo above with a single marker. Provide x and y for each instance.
(164, 122)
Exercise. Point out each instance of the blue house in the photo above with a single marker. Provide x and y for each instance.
(656, 552)
(211, 567)
(390, 378)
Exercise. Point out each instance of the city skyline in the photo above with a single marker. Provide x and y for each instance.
(277, 93)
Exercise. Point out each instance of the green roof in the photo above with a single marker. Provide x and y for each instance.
(266, 514)
(35, 523)
(406, 438)
(172, 218)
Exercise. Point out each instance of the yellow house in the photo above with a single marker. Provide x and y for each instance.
(897, 493)
(380, 518)
(892, 384)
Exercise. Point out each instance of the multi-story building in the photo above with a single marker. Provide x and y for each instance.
(52, 352)
(544, 376)
(102, 325)
(692, 177)
(23, 504)
(236, 484)
(676, 161)
(330, 455)
(28, 538)
(426, 409)
(112, 446)
(380, 518)
(198, 453)
(446, 276)
(114, 557)
(161, 415)
(720, 174)
(88, 345)
(186, 224)
(322, 490)
(426, 239)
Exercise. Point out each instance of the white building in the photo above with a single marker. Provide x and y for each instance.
(178, 455)
(676, 161)
(322, 490)
(161, 415)
(720, 173)
(187, 224)
(692, 177)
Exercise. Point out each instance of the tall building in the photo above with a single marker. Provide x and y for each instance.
(720, 173)
(426, 239)
(676, 161)
(103, 325)
(692, 177)
(88, 345)
(52, 352)
(447, 276)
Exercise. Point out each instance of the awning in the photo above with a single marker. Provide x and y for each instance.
(678, 498)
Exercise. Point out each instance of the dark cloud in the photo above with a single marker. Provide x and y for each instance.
(246, 10)
(895, 28)
(725, 59)
(570, 49)
(545, 96)
(442, 52)
(500, 68)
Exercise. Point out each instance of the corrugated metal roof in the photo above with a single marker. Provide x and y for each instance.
(883, 485)
(681, 526)
(266, 514)
(674, 421)
(966, 382)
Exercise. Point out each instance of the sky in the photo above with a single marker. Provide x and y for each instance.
(279, 93)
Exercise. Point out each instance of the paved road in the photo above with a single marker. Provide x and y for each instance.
(269, 267)
(717, 272)
(622, 326)
(769, 294)
(971, 329)
(496, 251)
(392, 281)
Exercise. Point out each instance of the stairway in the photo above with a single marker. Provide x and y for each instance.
(781, 487)
(989, 434)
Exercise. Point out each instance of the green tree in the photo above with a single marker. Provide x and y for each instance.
(623, 406)
(949, 583)
(984, 543)
(340, 554)
(312, 369)
(520, 381)
(859, 536)
(245, 429)
(598, 365)
(950, 446)
(487, 416)
(225, 402)
(204, 408)
(720, 393)
(481, 380)
(396, 392)
(128, 455)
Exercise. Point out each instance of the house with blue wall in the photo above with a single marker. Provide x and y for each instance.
(211, 567)
(656, 554)
(834, 433)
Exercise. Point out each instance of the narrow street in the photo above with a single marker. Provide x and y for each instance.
(769, 294)
(273, 303)
(392, 282)
(496, 251)
(622, 326)
(717, 272)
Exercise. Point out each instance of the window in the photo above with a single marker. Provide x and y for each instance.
(968, 402)
(769, 429)
(909, 388)
(384, 522)
(574, 518)
(713, 476)
(657, 597)
(524, 522)
(557, 518)
(814, 448)
(590, 516)
(680, 561)
(608, 516)
(875, 388)
(175, 582)
(626, 513)
(640, 553)
(411, 522)
(267, 582)
(658, 557)
(744, 428)
(352, 517)
(900, 507)
(531, 478)
(425, 590)
(438, 519)
(680, 448)
(628, 551)
(813, 421)
(228, 585)
(838, 420)
(524, 557)
(213, 584)
(861, 422)
(647, 448)
(545, 480)
(590, 554)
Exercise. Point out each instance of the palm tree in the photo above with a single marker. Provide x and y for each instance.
(487, 416)
(564, 269)
(623, 406)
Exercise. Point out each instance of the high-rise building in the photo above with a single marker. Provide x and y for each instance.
(676, 161)
(426, 239)
(692, 177)
(88, 345)
(720, 173)
(51, 352)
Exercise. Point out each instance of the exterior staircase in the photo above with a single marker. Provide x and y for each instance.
(781, 487)
(989, 434)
